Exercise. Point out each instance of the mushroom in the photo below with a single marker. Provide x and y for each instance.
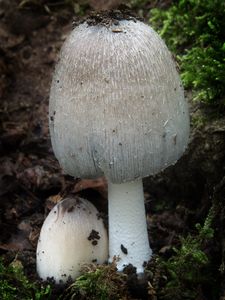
(71, 235)
(117, 108)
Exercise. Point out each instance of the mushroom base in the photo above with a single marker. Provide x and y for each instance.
(128, 236)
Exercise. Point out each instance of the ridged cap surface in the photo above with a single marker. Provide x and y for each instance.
(117, 105)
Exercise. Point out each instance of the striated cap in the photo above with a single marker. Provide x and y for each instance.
(117, 105)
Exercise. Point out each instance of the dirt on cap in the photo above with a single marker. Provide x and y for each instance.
(107, 18)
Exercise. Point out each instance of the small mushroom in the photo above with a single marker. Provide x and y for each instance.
(119, 110)
(71, 235)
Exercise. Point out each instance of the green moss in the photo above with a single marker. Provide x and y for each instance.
(194, 30)
(15, 285)
(98, 283)
(198, 120)
(189, 268)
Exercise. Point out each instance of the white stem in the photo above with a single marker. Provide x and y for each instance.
(128, 236)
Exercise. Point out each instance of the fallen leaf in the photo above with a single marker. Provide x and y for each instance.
(99, 184)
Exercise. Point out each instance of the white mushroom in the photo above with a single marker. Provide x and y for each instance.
(72, 235)
(117, 108)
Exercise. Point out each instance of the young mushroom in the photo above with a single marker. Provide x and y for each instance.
(72, 235)
(117, 108)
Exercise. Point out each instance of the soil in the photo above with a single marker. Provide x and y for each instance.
(107, 18)
(31, 181)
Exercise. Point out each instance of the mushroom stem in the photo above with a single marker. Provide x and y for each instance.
(128, 236)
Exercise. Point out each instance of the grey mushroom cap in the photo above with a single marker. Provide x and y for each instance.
(117, 104)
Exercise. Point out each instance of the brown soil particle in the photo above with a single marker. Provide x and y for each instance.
(94, 235)
(124, 249)
(70, 209)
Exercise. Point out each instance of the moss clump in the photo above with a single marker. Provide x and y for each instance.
(194, 30)
(15, 285)
(189, 269)
(98, 283)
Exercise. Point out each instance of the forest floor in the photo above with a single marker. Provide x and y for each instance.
(31, 180)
